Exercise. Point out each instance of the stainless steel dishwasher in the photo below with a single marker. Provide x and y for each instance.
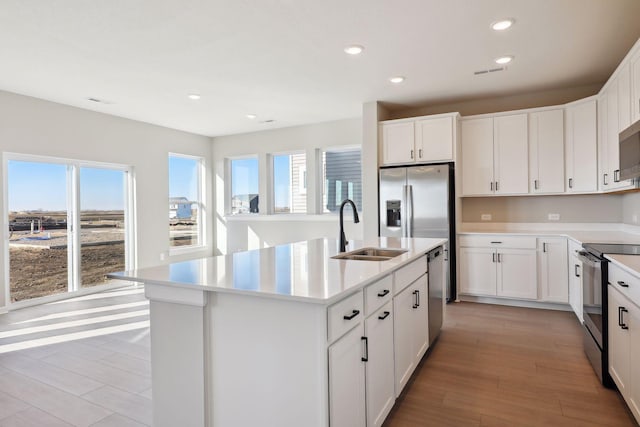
(436, 291)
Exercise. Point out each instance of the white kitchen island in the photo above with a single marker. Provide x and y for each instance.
(285, 336)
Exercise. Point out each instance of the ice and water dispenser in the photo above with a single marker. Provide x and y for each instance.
(393, 213)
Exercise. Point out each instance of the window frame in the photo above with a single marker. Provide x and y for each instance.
(321, 174)
(229, 188)
(200, 205)
(272, 177)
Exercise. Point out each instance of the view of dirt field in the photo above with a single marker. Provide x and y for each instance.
(38, 249)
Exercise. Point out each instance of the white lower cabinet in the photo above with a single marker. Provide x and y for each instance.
(376, 338)
(501, 272)
(347, 380)
(553, 269)
(411, 330)
(380, 391)
(624, 347)
(575, 278)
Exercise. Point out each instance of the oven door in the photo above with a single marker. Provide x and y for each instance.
(592, 295)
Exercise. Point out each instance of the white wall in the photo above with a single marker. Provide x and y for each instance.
(37, 127)
(254, 231)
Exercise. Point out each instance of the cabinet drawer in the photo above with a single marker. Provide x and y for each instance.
(626, 283)
(498, 241)
(378, 293)
(408, 274)
(344, 315)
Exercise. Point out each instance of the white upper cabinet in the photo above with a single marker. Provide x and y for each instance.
(434, 139)
(477, 157)
(420, 140)
(614, 115)
(510, 154)
(581, 158)
(635, 86)
(546, 152)
(397, 143)
(494, 155)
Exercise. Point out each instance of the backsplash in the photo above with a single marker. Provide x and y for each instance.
(591, 208)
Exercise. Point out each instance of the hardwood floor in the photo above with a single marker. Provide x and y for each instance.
(507, 366)
(85, 362)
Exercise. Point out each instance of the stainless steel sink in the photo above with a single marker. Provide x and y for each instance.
(371, 254)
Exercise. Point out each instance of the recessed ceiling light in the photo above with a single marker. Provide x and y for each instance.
(194, 96)
(354, 49)
(396, 79)
(502, 24)
(504, 59)
(251, 116)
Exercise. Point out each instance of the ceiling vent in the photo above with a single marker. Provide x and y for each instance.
(492, 70)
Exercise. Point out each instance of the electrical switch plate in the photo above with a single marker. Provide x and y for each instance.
(485, 217)
(554, 217)
(634, 218)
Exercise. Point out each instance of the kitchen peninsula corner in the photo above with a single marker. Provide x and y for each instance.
(278, 336)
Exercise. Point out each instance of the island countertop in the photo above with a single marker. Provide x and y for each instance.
(302, 271)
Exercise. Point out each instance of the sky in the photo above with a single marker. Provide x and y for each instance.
(43, 186)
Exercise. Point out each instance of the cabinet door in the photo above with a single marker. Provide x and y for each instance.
(347, 380)
(575, 286)
(581, 139)
(380, 388)
(434, 139)
(623, 88)
(611, 137)
(477, 157)
(633, 319)
(397, 143)
(517, 273)
(554, 277)
(478, 271)
(546, 152)
(420, 320)
(635, 87)
(603, 145)
(618, 340)
(510, 158)
(411, 330)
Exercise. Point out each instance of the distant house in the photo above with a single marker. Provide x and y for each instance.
(244, 203)
(179, 208)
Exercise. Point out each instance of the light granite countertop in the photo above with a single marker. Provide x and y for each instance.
(303, 271)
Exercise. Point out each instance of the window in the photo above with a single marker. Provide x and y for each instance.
(185, 200)
(290, 183)
(244, 186)
(342, 176)
(47, 254)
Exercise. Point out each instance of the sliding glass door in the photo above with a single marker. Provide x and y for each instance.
(69, 225)
(38, 221)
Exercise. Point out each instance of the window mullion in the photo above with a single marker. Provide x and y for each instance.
(73, 226)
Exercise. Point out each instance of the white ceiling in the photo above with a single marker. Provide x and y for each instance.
(283, 59)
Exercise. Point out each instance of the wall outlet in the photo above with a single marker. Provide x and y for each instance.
(554, 217)
(634, 218)
(163, 256)
(485, 217)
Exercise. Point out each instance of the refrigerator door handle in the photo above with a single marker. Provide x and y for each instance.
(409, 211)
(403, 211)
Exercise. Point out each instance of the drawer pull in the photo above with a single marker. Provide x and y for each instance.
(621, 311)
(384, 293)
(493, 243)
(384, 315)
(353, 314)
(624, 285)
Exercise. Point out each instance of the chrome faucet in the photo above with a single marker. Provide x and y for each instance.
(343, 239)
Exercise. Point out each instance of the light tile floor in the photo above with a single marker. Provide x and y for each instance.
(77, 362)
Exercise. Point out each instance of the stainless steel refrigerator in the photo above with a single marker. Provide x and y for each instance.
(418, 201)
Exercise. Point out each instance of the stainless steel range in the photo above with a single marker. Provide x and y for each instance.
(595, 272)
